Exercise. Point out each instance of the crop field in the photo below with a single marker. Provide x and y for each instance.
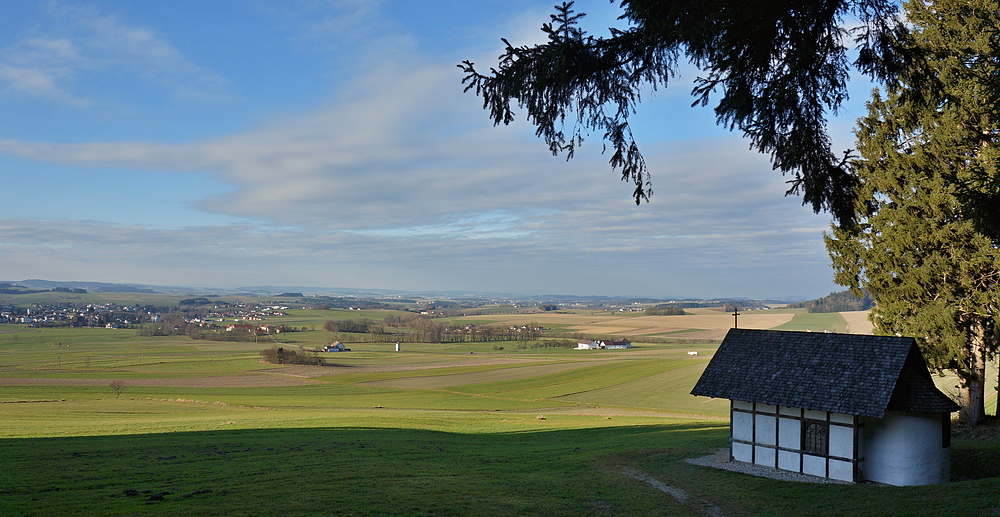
(832, 321)
(205, 428)
(710, 323)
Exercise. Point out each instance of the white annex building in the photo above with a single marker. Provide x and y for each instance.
(840, 406)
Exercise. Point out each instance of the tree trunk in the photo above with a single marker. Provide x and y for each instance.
(972, 381)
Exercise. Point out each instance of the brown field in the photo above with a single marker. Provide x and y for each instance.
(714, 322)
(231, 381)
(857, 322)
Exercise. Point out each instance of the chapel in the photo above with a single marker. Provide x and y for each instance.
(842, 406)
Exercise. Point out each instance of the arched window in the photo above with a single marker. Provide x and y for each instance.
(814, 437)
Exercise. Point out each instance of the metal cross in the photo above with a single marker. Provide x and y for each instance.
(736, 317)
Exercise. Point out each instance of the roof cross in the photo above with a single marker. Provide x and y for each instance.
(736, 317)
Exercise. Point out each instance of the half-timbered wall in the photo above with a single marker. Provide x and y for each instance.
(818, 443)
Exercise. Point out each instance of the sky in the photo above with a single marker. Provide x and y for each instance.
(329, 143)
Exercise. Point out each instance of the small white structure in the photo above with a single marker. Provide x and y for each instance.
(840, 406)
(336, 346)
(616, 344)
(605, 344)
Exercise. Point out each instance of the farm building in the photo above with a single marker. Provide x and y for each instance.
(618, 343)
(606, 344)
(840, 406)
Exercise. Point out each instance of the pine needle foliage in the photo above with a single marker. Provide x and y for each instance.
(919, 246)
(777, 68)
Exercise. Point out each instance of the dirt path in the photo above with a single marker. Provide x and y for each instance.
(680, 495)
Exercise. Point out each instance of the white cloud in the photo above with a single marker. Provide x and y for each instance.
(403, 154)
(402, 182)
(81, 43)
(710, 228)
(398, 150)
(28, 81)
(575, 253)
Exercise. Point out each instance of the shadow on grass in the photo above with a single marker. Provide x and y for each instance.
(380, 471)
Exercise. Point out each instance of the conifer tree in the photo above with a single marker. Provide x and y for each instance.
(928, 155)
(773, 68)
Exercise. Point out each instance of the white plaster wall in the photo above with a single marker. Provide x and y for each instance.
(742, 452)
(841, 441)
(842, 418)
(790, 411)
(814, 465)
(842, 470)
(788, 460)
(790, 433)
(766, 430)
(742, 404)
(742, 426)
(815, 415)
(905, 449)
(765, 456)
(766, 408)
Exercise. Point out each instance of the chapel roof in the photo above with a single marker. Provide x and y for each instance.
(843, 373)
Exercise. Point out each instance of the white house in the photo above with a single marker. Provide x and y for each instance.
(840, 406)
(587, 345)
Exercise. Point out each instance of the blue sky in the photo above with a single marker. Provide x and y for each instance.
(328, 143)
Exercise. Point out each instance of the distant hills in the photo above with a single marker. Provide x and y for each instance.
(842, 301)
(36, 285)
(39, 285)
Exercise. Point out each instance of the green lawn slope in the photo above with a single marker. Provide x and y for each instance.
(430, 431)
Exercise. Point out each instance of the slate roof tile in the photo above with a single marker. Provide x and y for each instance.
(843, 373)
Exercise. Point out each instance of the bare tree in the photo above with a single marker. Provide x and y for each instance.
(116, 386)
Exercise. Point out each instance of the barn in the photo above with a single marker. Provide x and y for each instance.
(840, 406)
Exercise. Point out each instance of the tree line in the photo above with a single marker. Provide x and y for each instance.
(666, 309)
(417, 328)
(282, 355)
(841, 301)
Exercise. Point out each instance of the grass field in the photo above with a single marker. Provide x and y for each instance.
(203, 428)
(816, 322)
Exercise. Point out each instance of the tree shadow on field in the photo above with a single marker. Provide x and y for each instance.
(308, 471)
(392, 471)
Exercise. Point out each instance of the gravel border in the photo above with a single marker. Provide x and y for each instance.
(720, 460)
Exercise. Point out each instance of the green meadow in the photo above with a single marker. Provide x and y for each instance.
(831, 321)
(204, 428)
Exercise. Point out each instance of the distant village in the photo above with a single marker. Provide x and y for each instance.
(240, 317)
